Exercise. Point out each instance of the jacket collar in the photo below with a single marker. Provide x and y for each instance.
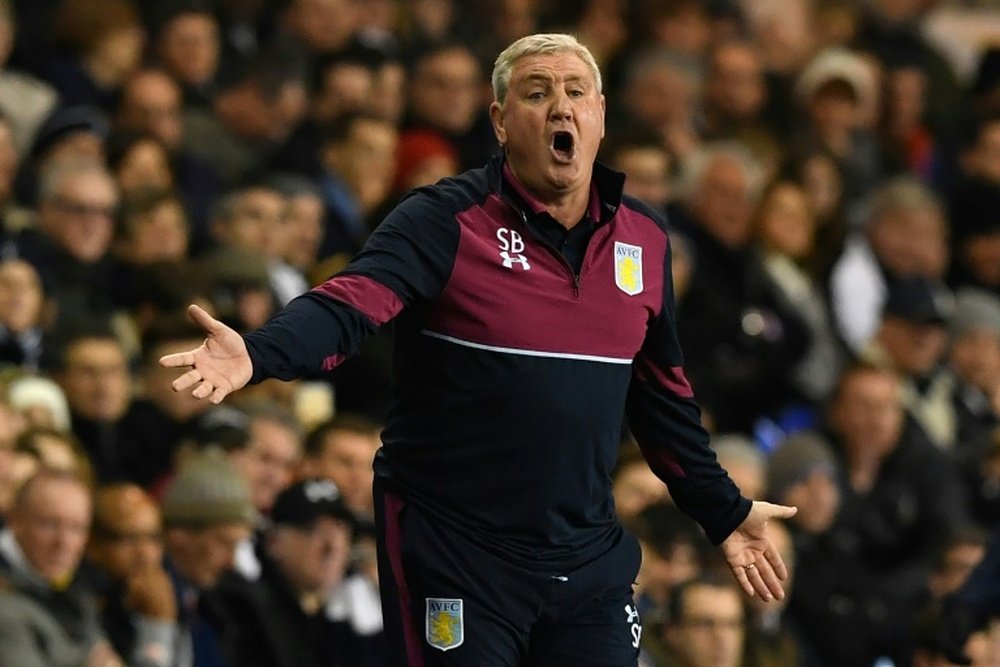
(606, 187)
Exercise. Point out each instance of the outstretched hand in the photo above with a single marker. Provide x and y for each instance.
(219, 366)
(755, 562)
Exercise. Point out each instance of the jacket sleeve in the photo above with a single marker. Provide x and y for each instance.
(666, 422)
(406, 260)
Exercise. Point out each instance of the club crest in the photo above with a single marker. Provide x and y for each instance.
(628, 268)
(445, 623)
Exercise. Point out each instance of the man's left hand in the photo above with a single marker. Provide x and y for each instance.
(755, 562)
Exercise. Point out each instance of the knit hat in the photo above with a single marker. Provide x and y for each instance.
(797, 457)
(208, 491)
(976, 310)
(837, 64)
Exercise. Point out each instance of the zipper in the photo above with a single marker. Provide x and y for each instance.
(551, 248)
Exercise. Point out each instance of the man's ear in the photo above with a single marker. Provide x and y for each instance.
(496, 118)
(603, 115)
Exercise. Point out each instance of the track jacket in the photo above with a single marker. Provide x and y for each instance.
(512, 371)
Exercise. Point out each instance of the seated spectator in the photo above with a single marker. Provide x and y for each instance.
(153, 228)
(207, 513)
(25, 101)
(975, 361)
(306, 553)
(647, 166)
(343, 451)
(139, 161)
(139, 609)
(48, 615)
(672, 552)
(912, 341)
(56, 450)
(187, 46)
(706, 623)
(22, 314)
(302, 226)
(70, 246)
(745, 462)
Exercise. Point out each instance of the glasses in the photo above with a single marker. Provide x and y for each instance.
(81, 209)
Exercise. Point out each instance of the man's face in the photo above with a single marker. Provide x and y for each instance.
(314, 558)
(551, 123)
(647, 174)
(975, 358)
(202, 555)
(80, 217)
(51, 526)
(868, 413)
(303, 230)
(445, 92)
(189, 47)
(151, 102)
(723, 204)
(736, 84)
(130, 541)
(96, 379)
(711, 632)
(269, 460)
(254, 222)
(914, 347)
(346, 460)
(818, 499)
(20, 296)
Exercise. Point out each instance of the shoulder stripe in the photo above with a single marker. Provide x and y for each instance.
(526, 353)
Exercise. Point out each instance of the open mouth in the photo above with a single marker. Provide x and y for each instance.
(563, 146)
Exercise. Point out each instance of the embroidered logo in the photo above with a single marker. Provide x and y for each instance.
(512, 249)
(445, 623)
(628, 268)
(635, 627)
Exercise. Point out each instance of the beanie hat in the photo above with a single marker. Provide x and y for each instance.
(208, 491)
(797, 457)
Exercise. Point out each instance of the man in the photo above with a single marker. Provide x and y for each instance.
(495, 466)
(342, 450)
(48, 615)
(707, 625)
(139, 612)
(305, 557)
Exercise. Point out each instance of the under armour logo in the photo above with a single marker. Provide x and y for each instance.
(633, 614)
(511, 247)
(510, 260)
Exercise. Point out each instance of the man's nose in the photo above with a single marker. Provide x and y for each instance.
(561, 107)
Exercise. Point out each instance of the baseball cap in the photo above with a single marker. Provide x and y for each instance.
(919, 300)
(301, 504)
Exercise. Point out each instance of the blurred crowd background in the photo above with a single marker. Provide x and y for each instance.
(830, 170)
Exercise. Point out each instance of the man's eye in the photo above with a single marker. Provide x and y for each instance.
(536, 95)
(576, 93)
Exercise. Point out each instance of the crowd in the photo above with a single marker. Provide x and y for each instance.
(830, 171)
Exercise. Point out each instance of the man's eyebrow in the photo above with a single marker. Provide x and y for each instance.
(548, 78)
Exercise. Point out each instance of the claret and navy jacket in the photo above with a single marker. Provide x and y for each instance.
(512, 368)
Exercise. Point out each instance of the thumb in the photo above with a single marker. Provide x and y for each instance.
(201, 317)
(772, 511)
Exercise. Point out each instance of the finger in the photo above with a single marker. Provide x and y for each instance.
(779, 511)
(204, 390)
(177, 359)
(755, 575)
(741, 578)
(201, 317)
(189, 379)
(769, 579)
(777, 563)
(219, 394)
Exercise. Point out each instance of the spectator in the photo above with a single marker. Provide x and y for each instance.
(740, 336)
(306, 555)
(139, 610)
(105, 43)
(912, 341)
(207, 513)
(706, 624)
(785, 229)
(905, 236)
(139, 161)
(271, 454)
(40, 401)
(153, 228)
(187, 46)
(302, 224)
(22, 314)
(446, 95)
(343, 451)
(73, 238)
(975, 361)
(49, 615)
(321, 26)
(647, 166)
(25, 101)
(745, 462)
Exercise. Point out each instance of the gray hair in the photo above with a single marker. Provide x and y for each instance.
(902, 194)
(546, 43)
(58, 173)
(695, 167)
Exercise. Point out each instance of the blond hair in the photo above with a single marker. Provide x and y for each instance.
(545, 43)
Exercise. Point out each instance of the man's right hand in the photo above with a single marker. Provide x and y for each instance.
(219, 366)
(150, 593)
